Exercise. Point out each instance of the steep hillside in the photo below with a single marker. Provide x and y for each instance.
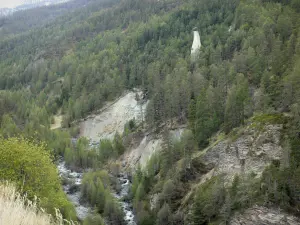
(234, 172)
(248, 151)
(234, 108)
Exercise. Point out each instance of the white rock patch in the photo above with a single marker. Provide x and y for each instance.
(113, 118)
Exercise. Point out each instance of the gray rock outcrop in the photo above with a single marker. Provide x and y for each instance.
(251, 152)
(261, 215)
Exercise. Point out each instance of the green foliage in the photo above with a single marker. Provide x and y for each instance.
(160, 177)
(208, 201)
(130, 126)
(82, 155)
(236, 103)
(30, 167)
(106, 150)
(164, 216)
(96, 60)
(139, 194)
(8, 126)
(113, 213)
(249, 61)
(95, 189)
(145, 218)
(118, 144)
(192, 115)
(175, 153)
(95, 219)
(206, 121)
(277, 187)
(168, 190)
(141, 186)
(269, 119)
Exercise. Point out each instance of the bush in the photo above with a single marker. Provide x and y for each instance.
(95, 219)
(106, 150)
(113, 213)
(130, 126)
(30, 167)
(118, 144)
(208, 201)
(145, 218)
(164, 216)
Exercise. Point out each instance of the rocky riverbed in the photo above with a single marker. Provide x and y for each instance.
(121, 196)
(71, 186)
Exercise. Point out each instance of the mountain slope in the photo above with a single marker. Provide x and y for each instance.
(248, 65)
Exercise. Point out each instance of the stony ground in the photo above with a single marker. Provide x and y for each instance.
(249, 153)
(113, 118)
(261, 215)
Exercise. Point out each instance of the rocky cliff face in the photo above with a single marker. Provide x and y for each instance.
(113, 117)
(145, 144)
(250, 152)
(261, 215)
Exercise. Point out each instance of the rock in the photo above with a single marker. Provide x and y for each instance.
(262, 215)
(148, 144)
(249, 153)
(154, 201)
(113, 117)
(143, 152)
(73, 188)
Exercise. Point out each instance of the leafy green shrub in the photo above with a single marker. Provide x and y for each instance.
(145, 218)
(164, 216)
(94, 219)
(208, 201)
(30, 167)
(113, 213)
(106, 150)
(269, 118)
(130, 126)
(118, 144)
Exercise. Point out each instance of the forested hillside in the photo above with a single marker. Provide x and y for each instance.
(25, 20)
(247, 74)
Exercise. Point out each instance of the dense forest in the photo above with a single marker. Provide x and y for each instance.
(71, 59)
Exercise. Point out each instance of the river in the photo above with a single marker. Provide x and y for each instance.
(71, 186)
(121, 196)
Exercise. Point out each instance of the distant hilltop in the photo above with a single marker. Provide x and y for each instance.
(42, 2)
(29, 4)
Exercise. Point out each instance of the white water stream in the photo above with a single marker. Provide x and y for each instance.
(71, 187)
(126, 206)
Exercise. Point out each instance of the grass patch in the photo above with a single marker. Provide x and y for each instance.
(265, 119)
(258, 122)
